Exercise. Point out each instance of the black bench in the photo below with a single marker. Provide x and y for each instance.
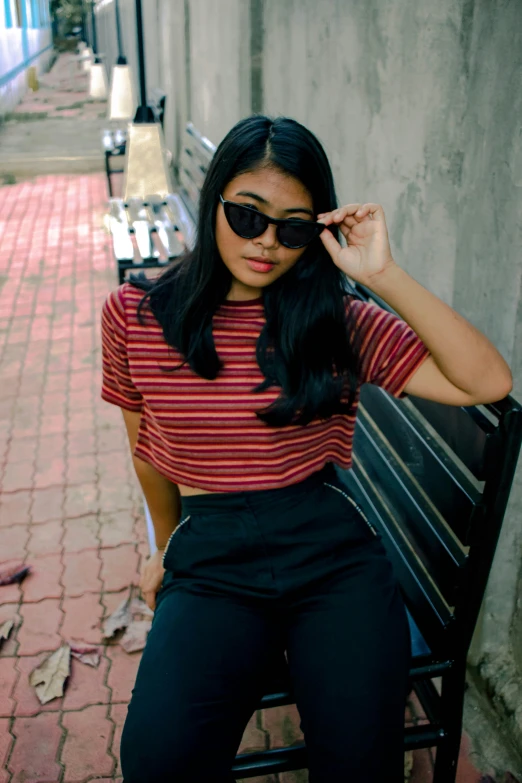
(435, 480)
(196, 154)
(149, 233)
(114, 140)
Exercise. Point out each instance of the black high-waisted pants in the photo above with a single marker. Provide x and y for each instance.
(250, 576)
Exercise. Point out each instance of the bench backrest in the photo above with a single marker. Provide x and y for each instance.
(196, 154)
(437, 480)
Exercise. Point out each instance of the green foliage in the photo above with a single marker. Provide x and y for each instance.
(70, 11)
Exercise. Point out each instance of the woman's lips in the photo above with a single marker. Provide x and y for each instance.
(260, 264)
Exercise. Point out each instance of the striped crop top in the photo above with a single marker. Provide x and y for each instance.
(205, 433)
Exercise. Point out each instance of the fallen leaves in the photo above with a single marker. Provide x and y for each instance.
(139, 607)
(86, 653)
(119, 619)
(49, 679)
(13, 573)
(135, 618)
(135, 636)
(5, 630)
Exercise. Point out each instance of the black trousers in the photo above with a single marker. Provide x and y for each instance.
(252, 576)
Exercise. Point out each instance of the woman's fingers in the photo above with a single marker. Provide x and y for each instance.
(351, 214)
(150, 599)
(330, 243)
(374, 211)
(345, 230)
(337, 215)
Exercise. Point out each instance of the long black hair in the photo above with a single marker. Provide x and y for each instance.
(304, 347)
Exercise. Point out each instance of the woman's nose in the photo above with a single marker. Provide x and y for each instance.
(269, 237)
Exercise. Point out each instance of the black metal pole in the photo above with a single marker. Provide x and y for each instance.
(122, 60)
(93, 31)
(85, 36)
(144, 113)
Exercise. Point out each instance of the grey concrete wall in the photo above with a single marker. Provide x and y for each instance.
(220, 64)
(419, 108)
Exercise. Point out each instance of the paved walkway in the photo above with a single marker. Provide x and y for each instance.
(69, 500)
(55, 129)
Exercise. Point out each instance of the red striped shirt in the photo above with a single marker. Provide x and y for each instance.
(206, 433)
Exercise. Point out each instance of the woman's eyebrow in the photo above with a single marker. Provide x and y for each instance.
(262, 200)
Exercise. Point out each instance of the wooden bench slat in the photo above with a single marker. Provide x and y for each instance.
(431, 465)
(139, 218)
(165, 225)
(193, 167)
(120, 232)
(295, 757)
(201, 141)
(108, 140)
(463, 429)
(430, 612)
(191, 190)
(430, 538)
(182, 218)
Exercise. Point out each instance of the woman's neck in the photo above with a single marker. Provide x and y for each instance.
(242, 293)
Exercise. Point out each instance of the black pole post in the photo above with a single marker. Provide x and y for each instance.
(144, 113)
(122, 60)
(93, 31)
(97, 59)
(85, 37)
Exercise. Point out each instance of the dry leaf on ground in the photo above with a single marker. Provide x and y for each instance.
(135, 636)
(86, 653)
(13, 573)
(118, 620)
(49, 679)
(139, 607)
(5, 630)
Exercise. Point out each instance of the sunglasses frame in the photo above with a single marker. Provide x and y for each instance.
(278, 222)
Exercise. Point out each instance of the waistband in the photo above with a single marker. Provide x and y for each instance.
(221, 502)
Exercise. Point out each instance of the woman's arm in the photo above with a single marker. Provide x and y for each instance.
(465, 368)
(162, 495)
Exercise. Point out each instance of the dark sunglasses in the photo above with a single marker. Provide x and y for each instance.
(249, 223)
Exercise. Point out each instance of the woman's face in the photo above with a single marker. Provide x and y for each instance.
(275, 194)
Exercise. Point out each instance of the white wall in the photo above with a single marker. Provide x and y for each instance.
(12, 55)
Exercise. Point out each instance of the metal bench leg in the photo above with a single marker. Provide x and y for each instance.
(452, 705)
(108, 173)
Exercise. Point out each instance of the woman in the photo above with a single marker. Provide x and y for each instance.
(239, 379)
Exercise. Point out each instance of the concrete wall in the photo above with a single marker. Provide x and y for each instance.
(19, 48)
(418, 106)
(184, 40)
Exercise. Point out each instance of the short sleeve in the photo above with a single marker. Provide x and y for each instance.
(389, 350)
(117, 385)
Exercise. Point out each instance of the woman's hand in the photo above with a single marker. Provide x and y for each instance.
(151, 578)
(368, 250)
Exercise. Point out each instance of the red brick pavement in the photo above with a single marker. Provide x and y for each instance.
(69, 500)
(56, 462)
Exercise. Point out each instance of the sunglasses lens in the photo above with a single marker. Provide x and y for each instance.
(298, 234)
(247, 223)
